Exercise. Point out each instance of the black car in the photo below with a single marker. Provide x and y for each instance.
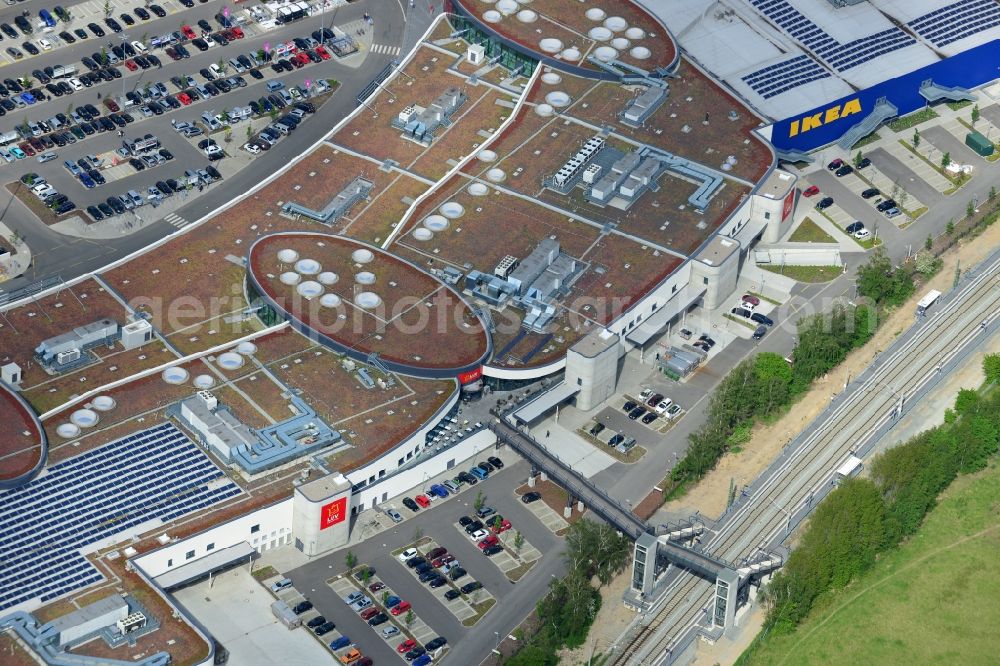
(451, 595)
(126, 19)
(473, 526)
(80, 33)
(8, 30)
(415, 561)
(23, 25)
(465, 477)
(265, 104)
(761, 319)
(649, 417)
(407, 501)
(12, 85)
(97, 177)
(59, 140)
(95, 213)
(106, 209)
(381, 618)
(844, 170)
(361, 572)
(30, 48)
(490, 551)
(220, 39)
(324, 628)
(173, 185)
(741, 312)
(56, 92)
(96, 29)
(200, 44)
(865, 162)
(629, 406)
(886, 205)
(496, 462)
(277, 101)
(158, 10)
(437, 581)
(464, 520)
(87, 128)
(870, 192)
(428, 575)
(164, 188)
(205, 25)
(68, 38)
(457, 573)
(436, 643)
(166, 154)
(187, 3)
(528, 498)
(316, 621)
(471, 587)
(636, 413)
(414, 653)
(64, 208)
(256, 74)
(423, 568)
(142, 13)
(825, 202)
(117, 120)
(851, 228)
(222, 85)
(137, 164)
(616, 440)
(113, 24)
(302, 606)
(182, 51)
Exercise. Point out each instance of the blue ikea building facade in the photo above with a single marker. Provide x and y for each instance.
(825, 124)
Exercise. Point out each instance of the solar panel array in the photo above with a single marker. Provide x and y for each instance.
(840, 56)
(154, 474)
(783, 76)
(957, 21)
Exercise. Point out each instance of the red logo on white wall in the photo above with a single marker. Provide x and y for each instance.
(786, 210)
(470, 376)
(333, 513)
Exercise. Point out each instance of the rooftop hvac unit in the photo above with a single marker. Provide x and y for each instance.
(68, 356)
(207, 397)
(408, 112)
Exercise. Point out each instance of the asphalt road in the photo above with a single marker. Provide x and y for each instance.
(57, 254)
(468, 645)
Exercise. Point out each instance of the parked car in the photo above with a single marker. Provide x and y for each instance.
(422, 501)
(844, 170)
(810, 191)
(835, 164)
(886, 205)
(471, 587)
(854, 226)
(759, 332)
(741, 312)
(870, 192)
(761, 319)
(528, 498)
(302, 606)
(825, 202)
(408, 554)
(865, 162)
(394, 515)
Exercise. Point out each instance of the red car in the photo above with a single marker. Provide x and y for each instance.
(184, 98)
(188, 32)
(112, 105)
(369, 613)
(375, 587)
(237, 32)
(491, 540)
(401, 608)
(130, 65)
(502, 527)
(406, 646)
(810, 191)
(443, 560)
(26, 147)
(303, 57)
(322, 53)
(751, 299)
(422, 501)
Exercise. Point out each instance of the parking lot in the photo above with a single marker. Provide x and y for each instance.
(153, 107)
(436, 526)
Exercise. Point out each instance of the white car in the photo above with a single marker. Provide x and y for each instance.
(479, 535)
(663, 405)
(861, 234)
(211, 42)
(673, 412)
(75, 84)
(212, 149)
(44, 44)
(747, 305)
(215, 69)
(646, 394)
(407, 554)
(252, 148)
(139, 47)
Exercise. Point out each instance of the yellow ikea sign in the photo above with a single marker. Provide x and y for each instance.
(823, 117)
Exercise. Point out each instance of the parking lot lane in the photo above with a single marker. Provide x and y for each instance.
(898, 172)
(946, 142)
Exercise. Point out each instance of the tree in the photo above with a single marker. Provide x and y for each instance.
(879, 281)
(228, 136)
(993, 193)
(991, 368)
(945, 160)
(950, 227)
(519, 538)
(970, 210)
(107, 8)
(857, 160)
(975, 115)
(366, 576)
(916, 138)
(926, 263)
(249, 132)
(385, 597)
(351, 560)
(478, 503)
(929, 243)
(410, 617)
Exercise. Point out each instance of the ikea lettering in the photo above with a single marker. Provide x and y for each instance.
(837, 112)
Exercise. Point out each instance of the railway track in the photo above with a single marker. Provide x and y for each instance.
(878, 397)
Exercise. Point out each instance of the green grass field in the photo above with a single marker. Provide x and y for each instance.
(810, 232)
(932, 601)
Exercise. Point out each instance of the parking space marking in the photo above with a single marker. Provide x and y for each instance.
(547, 516)
(918, 166)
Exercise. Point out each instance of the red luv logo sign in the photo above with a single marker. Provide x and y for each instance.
(333, 513)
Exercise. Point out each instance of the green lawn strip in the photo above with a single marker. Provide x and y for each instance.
(741, 320)
(810, 232)
(810, 274)
(912, 120)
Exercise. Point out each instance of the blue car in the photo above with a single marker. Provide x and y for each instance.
(422, 660)
(341, 642)
(439, 490)
(478, 473)
(392, 601)
(28, 98)
(87, 181)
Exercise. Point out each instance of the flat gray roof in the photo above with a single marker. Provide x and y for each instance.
(196, 569)
(546, 401)
(717, 251)
(324, 487)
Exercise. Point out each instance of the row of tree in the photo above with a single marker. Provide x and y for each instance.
(864, 517)
(564, 615)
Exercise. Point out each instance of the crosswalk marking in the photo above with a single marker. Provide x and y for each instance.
(176, 220)
(385, 48)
